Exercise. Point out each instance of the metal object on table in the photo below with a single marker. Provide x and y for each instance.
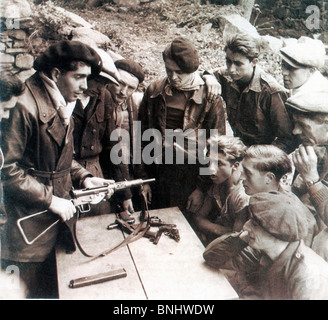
(98, 278)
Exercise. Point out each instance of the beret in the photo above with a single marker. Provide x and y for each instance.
(131, 67)
(305, 52)
(63, 52)
(281, 214)
(182, 53)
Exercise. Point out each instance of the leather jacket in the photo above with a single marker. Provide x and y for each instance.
(38, 152)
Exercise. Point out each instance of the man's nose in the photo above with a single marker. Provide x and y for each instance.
(123, 90)
(284, 71)
(212, 168)
(242, 175)
(84, 84)
(297, 130)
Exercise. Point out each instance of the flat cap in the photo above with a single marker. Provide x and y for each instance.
(108, 69)
(60, 54)
(305, 52)
(312, 96)
(182, 53)
(281, 214)
(132, 67)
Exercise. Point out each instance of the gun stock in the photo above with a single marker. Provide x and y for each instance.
(80, 199)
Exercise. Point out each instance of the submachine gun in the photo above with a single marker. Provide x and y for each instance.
(82, 198)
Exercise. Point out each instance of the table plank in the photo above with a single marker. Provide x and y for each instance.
(176, 270)
(94, 238)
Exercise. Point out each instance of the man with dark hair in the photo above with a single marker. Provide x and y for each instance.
(39, 169)
(11, 88)
(224, 205)
(254, 99)
(179, 101)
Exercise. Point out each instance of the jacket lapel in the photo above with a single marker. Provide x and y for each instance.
(46, 109)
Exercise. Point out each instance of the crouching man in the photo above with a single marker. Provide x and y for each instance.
(271, 245)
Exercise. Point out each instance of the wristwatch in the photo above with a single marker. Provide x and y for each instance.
(310, 183)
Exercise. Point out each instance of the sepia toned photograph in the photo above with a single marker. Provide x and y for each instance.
(172, 152)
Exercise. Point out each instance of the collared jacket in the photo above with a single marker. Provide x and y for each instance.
(38, 152)
(297, 274)
(199, 113)
(92, 134)
(257, 114)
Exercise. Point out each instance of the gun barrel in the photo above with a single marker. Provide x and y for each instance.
(130, 183)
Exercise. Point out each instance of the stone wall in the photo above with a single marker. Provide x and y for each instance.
(16, 26)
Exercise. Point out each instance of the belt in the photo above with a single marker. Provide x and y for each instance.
(47, 174)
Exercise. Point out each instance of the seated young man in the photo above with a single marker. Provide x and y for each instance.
(225, 201)
(264, 166)
(280, 214)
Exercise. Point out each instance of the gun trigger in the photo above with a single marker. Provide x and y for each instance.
(84, 208)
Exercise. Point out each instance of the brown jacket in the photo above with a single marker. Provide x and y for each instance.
(38, 164)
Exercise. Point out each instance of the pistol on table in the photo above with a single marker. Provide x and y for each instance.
(168, 229)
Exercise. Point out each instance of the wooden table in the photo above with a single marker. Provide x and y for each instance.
(169, 270)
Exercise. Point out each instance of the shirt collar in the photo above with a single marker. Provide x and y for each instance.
(160, 89)
(255, 84)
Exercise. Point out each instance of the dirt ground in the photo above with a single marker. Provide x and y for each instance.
(143, 32)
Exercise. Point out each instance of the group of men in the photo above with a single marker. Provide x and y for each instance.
(76, 108)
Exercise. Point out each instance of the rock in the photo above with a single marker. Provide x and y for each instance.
(6, 58)
(25, 74)
(205, 28)
(127, 3)
(15, 9)
(2, 47)
(17, 34)
(234, 23)
(19, 44)
(269, 43)
(94, 4)
(24, 61)
(87, 35)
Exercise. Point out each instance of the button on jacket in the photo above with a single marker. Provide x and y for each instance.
(39, 163)
(258, 114)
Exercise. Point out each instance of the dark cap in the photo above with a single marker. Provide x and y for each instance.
(281, 214)
(182, 52)
(60, 54)
(131, 67)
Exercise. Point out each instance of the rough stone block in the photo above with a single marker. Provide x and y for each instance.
(24, 61)
(6, 58)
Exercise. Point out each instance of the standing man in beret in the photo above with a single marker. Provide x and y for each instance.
(308, 102)
(271, 246)
(178, 102)
(125, 103)
(39, 169)
(108, 103)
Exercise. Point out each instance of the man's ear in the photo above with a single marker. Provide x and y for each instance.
(255, 61)
(269, 177)
(235, 165)
(55, 74)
